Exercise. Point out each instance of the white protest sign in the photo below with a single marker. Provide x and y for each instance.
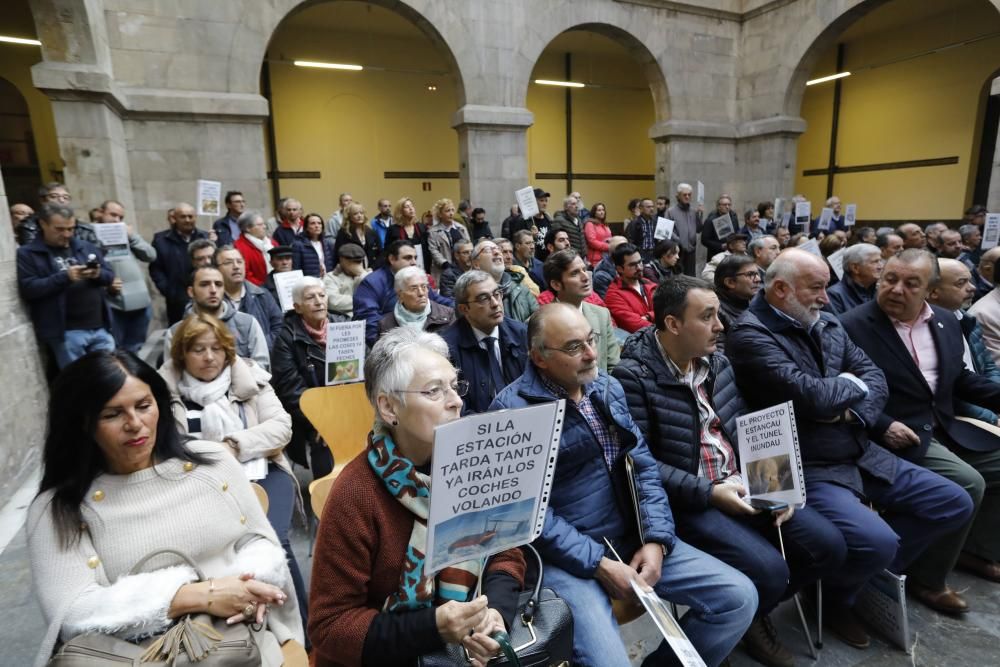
(111, 234)
(803, 214)
(284, 282)
(526, 202)
(836, 261)
(825, 216)
(850, 215)
(991, 231)
(664, 229)
(882, 603)
(701, 193)
(491, 479)
(345, 352)
(786, 219)
(420, 253)
(812, 245)
(770, 462)
(779, 208)
(209, 197)
(723, 226)
(668, 626)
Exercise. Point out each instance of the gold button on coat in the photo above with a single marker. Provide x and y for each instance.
(98, 495)
(188, 466)
(243, 519)
(225, 486)
(93, 562)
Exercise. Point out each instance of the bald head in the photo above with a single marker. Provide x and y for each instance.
(912, 235)
(987, 263)
(953, 289)
(795, 284)
(184, 218)
(614, 242)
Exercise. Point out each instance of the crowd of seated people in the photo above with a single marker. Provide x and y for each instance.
(892, 372)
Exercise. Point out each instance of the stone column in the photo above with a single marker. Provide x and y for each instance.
(493, 156)
(993, 199)
(24, 396)
(765, 159)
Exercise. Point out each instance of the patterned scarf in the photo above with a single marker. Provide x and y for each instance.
(413, 489)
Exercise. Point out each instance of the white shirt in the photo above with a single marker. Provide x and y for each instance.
(480, 336)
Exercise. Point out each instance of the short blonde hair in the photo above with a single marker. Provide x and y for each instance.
(440, 205)
(195, 326)
(352, 208)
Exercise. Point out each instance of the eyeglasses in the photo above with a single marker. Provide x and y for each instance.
(575, 348)
(752, 275)
(460, 387)
(487, 297)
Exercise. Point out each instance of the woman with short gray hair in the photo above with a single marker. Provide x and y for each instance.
(371, 602)
(253, 243)
(413, 306)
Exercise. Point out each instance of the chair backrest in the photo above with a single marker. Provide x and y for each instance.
(343, 417)
(261, 494)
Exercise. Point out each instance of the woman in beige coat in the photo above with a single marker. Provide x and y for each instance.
(217, 396)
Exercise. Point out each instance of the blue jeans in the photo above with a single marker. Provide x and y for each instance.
(129, 327)
(917, 509)
(814, 548)
(78, 342)
(722, 604)
(281, 495)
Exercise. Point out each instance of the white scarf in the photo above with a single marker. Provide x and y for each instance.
(263, 245)
(219, 417)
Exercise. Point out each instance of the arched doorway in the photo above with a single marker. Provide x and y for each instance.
(379, 132)
(900, 135)
(594, 138)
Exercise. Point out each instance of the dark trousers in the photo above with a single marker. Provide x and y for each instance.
(175, 310)
(687, 260)
(129, 327)
(919, 507)
(281, 498)
(814, 548)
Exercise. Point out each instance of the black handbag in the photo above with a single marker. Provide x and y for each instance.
(541, 633)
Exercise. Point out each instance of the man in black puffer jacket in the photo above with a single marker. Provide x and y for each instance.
(683, 396)
(786, 348)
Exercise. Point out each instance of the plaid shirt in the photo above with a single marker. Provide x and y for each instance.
(716, 459)
(607, 438)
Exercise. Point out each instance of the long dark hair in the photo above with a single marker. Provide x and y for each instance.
(71, 456)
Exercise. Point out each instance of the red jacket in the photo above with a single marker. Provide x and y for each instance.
(631, 311)
(597, 236)
(256, 265)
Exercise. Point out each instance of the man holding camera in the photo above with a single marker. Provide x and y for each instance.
(64, 281)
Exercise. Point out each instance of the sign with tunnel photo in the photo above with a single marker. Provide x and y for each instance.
(770, 461)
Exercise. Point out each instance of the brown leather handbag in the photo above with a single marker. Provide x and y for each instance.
(199, 639)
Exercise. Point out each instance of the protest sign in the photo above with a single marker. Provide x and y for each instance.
(209, 195)
(812, 245)
(882, 604)
(991, 231)
(770, 461)
(850, 215)
(825, 216)
(664, 229)
(420, 254)
(526, 202)
(723, 226)
(803, 214)
(284, 282)
(836, 260)
(779, 209)
(111, 234)
(786, 219)
(668, 626)
(491, 479)
(345, 352)
(701, 194)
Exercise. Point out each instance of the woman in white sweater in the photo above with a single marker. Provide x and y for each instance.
(217, 396)
(119, 483)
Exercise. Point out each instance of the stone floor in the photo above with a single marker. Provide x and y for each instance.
(972, 641)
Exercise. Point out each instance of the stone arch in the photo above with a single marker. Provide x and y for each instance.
(633, 45)
(72, 31)
(256, 29)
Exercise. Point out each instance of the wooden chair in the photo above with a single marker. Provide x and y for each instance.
(261, 496)
(343, 417)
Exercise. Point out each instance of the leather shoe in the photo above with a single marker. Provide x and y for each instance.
(945, 600)
(842, 620)
(987, 569)
(762, 643)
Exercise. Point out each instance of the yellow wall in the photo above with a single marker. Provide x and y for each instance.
(354, 126)
(922, 108)
(610, 126)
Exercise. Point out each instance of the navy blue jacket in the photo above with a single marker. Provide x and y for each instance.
(777, 360)
(224, 235)
(305, 257)
(535, 272)
(259, 303)
(43, 284)
(469, 357)
(911, 401)
(604, 274)
(172, 266)
(375, 297)
(666, 412)
(285, 235)
(589, 502)
(847, 294)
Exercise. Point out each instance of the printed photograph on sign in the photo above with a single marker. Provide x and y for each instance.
(345, 371)
(209, 194)
(345, 352)
(465, 535)
(770, 475)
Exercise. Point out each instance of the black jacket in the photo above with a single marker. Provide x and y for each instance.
(929, 414)
(710, 238)
(372, 246)
(666, 412)
(730, 309)
(169, 271)
(298, 363)
(776, 360)
(264, 308)
(469, 357)
(847, 294)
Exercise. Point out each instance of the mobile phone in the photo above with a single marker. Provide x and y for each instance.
(92, 262)
(768, 505)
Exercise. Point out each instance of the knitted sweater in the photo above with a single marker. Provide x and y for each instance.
(208, 512)
(359, 554)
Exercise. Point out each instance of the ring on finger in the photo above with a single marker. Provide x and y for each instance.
(249, 610)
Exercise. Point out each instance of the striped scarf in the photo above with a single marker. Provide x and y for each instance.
(413, 489)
